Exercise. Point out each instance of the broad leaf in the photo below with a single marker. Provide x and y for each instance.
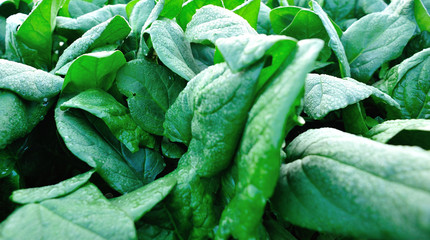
(211, 22)
(150, 85)
(116, 116)
(190, 7)
(324, 93)
(31, 195)
(105, 33)
(172, 48)
(349, 185)
(386, 34)
(83, 214)
(408, 83)
(411, 132)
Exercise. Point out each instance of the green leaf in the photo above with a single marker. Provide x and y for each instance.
(12, 118)
(71, 27)
(84, 214)
(31, 195)
(139, 15)
(301, 24)
(263, 23)
(408, 84)
(422, 16)
(85, 142)
(410, 132)
(190, 7)
(28, 82)
(146, 162)
(211, 22)
(334, 43)
(150, 85)
(155, 13)
(36, 32)
(386, 34)
(325, 93)
(171, 150)
(242, 51)
(171, 8)
(249, 11)
(115, 115)
(349, 185)
(258, 157)
(142, 200)
(172, 48)
(106, 33)
(93, 70)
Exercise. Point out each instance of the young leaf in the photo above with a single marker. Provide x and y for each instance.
(172, 48)
(31, 195)
(190, 7)
(116, 116)
(36, 32)
(249, 11)
(349, 185)
(93, 70)
(422, 16)
(140, 13)
(150, 85)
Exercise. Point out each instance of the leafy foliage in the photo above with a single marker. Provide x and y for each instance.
(218, 119)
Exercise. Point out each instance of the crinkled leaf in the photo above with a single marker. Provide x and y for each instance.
(28, 82)
(212, 22)
(31, 195)
(325, 93)
(341, 183)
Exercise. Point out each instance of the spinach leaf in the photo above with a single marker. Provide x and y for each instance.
(258, 156)
(72, 27)
(35, 33)
(31, 195)
(211, 22)
(386, 34)
(345, 184)
(249, 10)
(115, 115)
(422, 16)
(408, 84)
(411, 132)
(93, 70)
(147, 84)
(324, 93)
(84, 214)
(105, 33)
(85, 142)
(172, 48)
(190, 7)
(142, 200)
(28, 82)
